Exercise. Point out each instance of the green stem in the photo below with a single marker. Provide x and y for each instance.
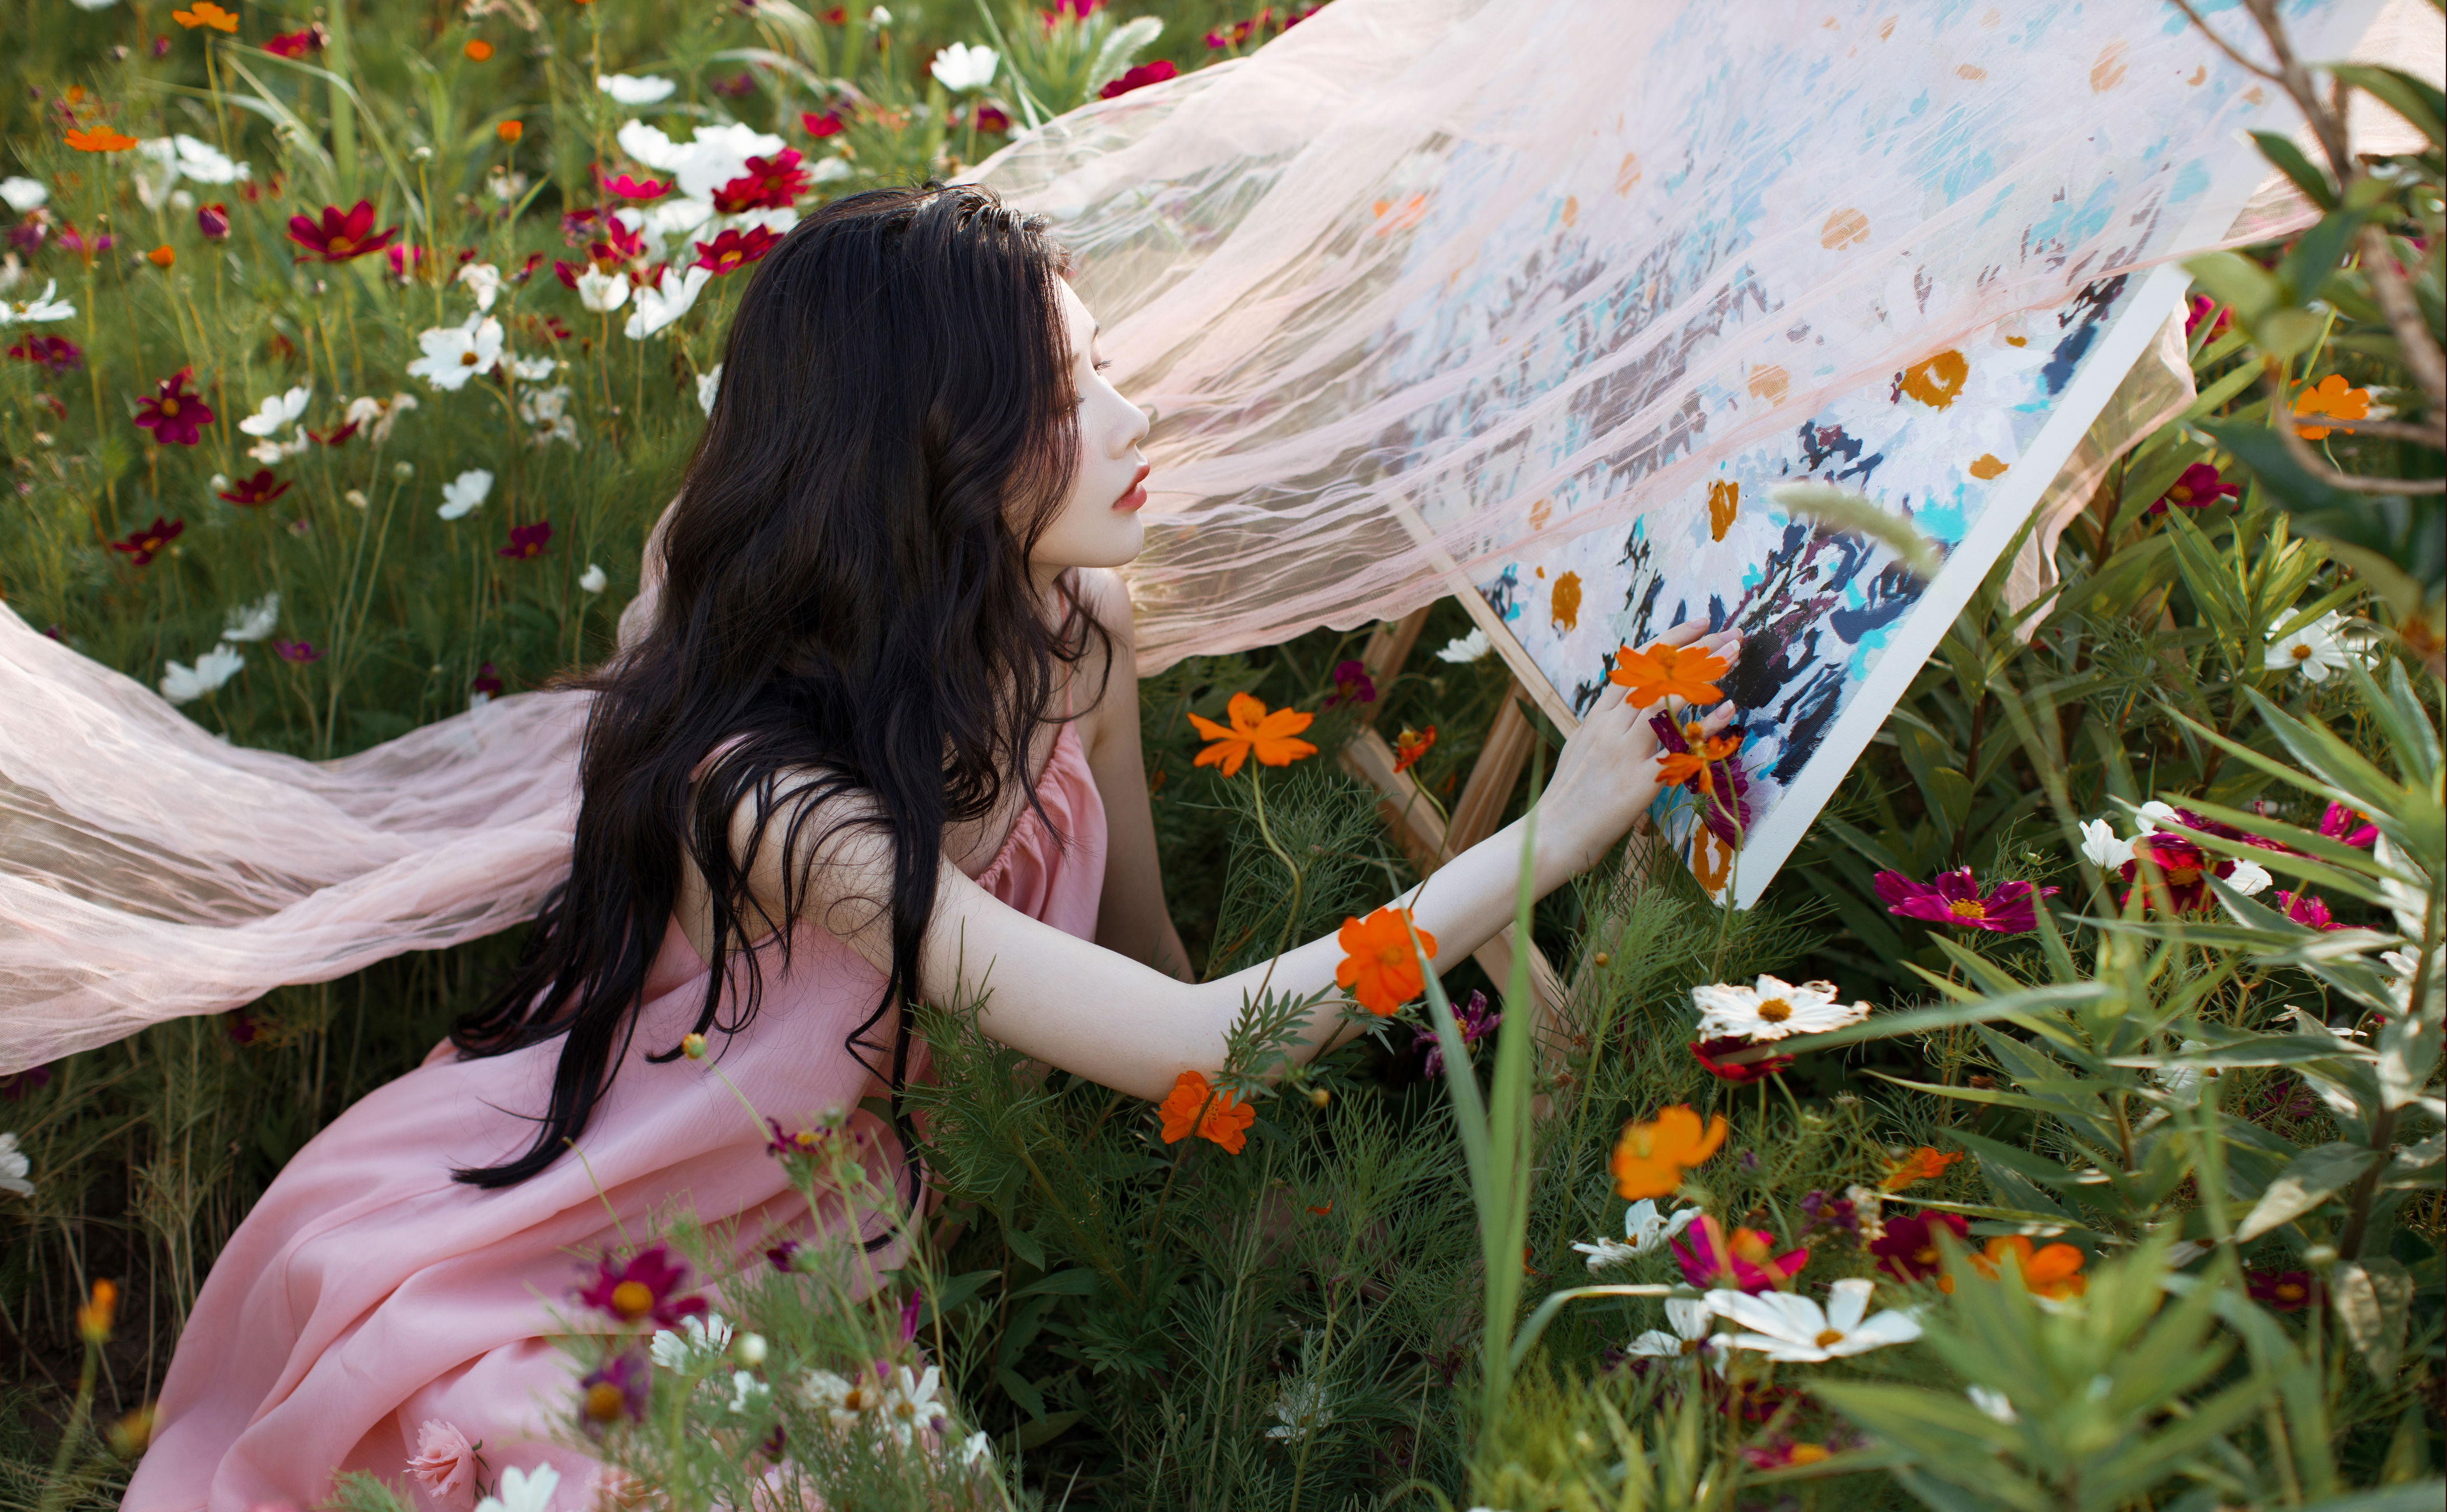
(1291, 915)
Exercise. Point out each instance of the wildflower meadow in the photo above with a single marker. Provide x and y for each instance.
(2063, 1132)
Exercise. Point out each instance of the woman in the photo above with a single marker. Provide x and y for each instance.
(879, 740)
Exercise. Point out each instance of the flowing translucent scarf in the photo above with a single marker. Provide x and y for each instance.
(1418, 289)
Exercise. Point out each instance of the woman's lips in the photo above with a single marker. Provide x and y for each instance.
(1137, 497)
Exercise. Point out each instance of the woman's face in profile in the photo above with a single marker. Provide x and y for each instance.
(1098, 525)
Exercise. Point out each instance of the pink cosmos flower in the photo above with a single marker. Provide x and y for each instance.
(58, 354)
(1746, 1261)
(1955, 898)
(1351, 680)
(299, 651)
(625, 187)
(2200, 308)
(2199, 488)
(340, 235)
(445, 1461)
(769, 183)
(2348, 826)
(2308, 910)
(642, 1286)
(176, 417)
(2181, 866)
(298, 44)
(1907, 1249)
(827, 123)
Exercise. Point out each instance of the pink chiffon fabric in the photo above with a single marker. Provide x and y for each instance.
(368, 1293)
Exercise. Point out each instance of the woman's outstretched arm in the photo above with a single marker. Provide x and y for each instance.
(1102, 1015)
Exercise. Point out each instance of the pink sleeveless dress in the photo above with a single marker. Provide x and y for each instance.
(368, 1293)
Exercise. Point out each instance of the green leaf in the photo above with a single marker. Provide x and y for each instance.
(2416, 100)
(2372, 1298)
(1978, 1011)
(2235, 280)
(2413, 1496)
(2280, 150)
(2316, 1175)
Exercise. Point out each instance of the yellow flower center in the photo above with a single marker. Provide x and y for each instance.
(1967, 908)
(2184, 875)
(1807, 1454)
(170, 406)
(858, 1399)
(1925, 1255)
(1827, 1338)
(2301, 652)
(604, 1402)
(906, 1407)
(2289, 1291)
(1775, 1010)
(2180, 494)
(466, 359)
(633, 1298)
(1692, 1345)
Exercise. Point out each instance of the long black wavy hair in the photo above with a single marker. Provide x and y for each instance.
(847, 585)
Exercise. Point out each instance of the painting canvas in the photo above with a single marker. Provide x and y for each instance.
(1425, 311)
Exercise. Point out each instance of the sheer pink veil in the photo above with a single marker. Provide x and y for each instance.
(1312, 261)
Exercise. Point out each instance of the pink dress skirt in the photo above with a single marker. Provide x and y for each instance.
(368, 1293)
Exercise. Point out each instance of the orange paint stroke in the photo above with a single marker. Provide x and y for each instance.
(1843, 229)
(1770, 383)
(1937, 382)
(1572, 209)
(2109, 70)
(1628, 173)
(1724, 506)
(1971, 70)
(1564, 604)
(1987, 466)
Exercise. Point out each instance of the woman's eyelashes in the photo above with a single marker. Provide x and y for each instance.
(1081, 399)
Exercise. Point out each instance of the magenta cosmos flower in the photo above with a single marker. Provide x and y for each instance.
(340, 235)
(176, 417)
(1747, 1262)
(2308, 910)
(1907, 1249)
(2182, 866)
(642, 1288)
(2199, 488)
(143, 544)
(528, 542)
(730, 252)
(1956, 899)
(1709, 1054)
(2347, 826)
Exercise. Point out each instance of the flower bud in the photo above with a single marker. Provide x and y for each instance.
(403, 470)
(749, 1350)
(693, 1046)
(213, 220)
(93, 1319)
(1318, 1096)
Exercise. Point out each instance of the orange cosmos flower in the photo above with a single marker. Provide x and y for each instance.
(1923, 1164)
(1668, 672)
(2331, 396)
(2054, 1271)
(1649, 1159)
(510, 130)
(101, 139)
(93, 1319)
(1193, 1107)
(1380, 969)
(1253, 731)
(206, 14)
(163, 256)
(477, 49)
(1412, 745)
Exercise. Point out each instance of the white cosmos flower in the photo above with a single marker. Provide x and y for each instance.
(182, 684)
(2151, 815)
(93, 5)
(635, 90)
(542, 407)
(34, 312)
(1772, 1009)
(708, 384)
(254, 621)
(844, 1399)
(2247, 878)
(273, 452)
(1994, 1403)
(2102, 847)
(1688, 1319)
(2314, 649)
(657, 308)
(1302, 1409)
(15, 1167)
(830, 170)
(523, 1491)
(912, 1405)
(602, 293)
(698, 1343)
(748, 1394)
(593, 579)
(712, 158)
(279, 411)
(976, 1447)
(1644, 1230)
(534, 369)
(22, 194)
(483, 280)
(377, 415)
(1466, 649)
(960, 68)
(879, 17)
(464, 493)
(1788, 1326)
(453, 354)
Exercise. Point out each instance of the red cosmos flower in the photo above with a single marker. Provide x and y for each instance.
(2308, 910)
(341, 234)
(336, 438)
(1907, 1249)
(2285, 1291)
(527, 542)
(176, 417)
(403, 261)
(769, 183)
(987, 118)
(1746, 1261)
(300, 652)
(1740, 1073)
(213, 220)
(732, 251)
(1708, 767)
(2199, 488)
(58, 354)
(2344, 825)
(260, 489)
(1411, 745)
(2008, 908)
(298, 44)
(625, 187)
(2178, 887)
(142, 546)
(1082, 9)
(641, 1288)
(1139, 78)
(827, 124)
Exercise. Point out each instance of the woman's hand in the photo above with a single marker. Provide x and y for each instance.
(1606, 775)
